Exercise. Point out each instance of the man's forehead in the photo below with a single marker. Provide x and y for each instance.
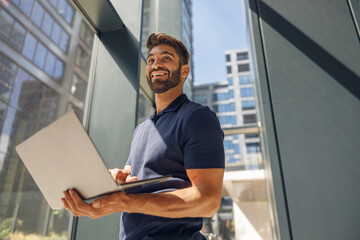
(163, 49)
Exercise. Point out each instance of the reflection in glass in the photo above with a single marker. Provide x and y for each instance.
(50, 63)
(78, 88)
(244, 212)
(40, 55)
(6, 22)
(29, 46)
(59, 69)
(56, 33)
(47, 24)
(37, 14)
(145, 108)
(26, 6)
(86, 34)
(82, 59)
(31, 100)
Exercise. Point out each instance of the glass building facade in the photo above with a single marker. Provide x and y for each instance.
(45, 53)
(50, 62)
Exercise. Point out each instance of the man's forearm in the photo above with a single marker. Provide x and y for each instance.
(202, 199)
(188, 202)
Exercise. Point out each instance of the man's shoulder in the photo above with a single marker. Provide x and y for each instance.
(192, 109)
(195, 115)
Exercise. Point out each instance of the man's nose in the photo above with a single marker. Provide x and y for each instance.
(157, 63)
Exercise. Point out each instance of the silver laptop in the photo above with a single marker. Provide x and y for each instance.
(61, 156)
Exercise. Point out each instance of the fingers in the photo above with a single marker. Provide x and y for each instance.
(131, 179)
(119, 175)
(73, 203)
(99, 208)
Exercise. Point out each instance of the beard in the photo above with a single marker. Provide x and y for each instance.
(161, 86)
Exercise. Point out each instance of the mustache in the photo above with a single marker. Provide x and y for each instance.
(159, 68)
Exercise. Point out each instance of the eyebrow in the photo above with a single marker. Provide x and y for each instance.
(163, 53)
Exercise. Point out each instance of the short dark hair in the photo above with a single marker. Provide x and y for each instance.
(162, 38)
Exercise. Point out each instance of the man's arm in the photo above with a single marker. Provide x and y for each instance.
(202, 199)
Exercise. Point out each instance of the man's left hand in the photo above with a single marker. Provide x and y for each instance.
(99, 208)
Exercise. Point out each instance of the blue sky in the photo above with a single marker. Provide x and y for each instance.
(217, 26)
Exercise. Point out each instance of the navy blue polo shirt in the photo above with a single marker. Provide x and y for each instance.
(185, 135)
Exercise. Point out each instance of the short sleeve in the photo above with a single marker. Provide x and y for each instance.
(203, 141)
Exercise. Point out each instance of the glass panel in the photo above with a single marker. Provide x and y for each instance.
(246, 92)
(243, 67)
(47, 24)
(15, 2)
(7, 77)
(244, 209)
(145, 108)
(69, 13)
(242, 56)
(245, 79)
(64, 41)
(227, 120)
(54, 2)
(82, 59)
(229, 107)
(27, 104)
(249, 104)
(56, 33)
(18, 36)
(29, 46)
(61, 7)
(250, 118)
(59, 69)
(6, 22)
(228, 69)
(37, 14)
(86, 34)
(26, 6)
(40, 55)
(230, 81)
(50, 63)
(228, 58)
(78, 88)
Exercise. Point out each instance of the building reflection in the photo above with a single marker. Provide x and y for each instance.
(45, 53)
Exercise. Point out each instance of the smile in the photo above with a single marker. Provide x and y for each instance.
(158, 74)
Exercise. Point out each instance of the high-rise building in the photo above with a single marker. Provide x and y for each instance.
(233, 101)
(45, 53)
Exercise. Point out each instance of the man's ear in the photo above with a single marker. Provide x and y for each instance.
(185, 70)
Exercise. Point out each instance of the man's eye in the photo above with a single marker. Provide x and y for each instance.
(150, 61)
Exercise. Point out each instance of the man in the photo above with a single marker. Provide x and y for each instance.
(183, 139)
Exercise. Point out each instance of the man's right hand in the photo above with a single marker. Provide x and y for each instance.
(122, 175)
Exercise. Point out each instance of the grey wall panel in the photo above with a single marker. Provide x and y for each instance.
(274, 180)
(113, 105)
(111, 125)
(312, 56)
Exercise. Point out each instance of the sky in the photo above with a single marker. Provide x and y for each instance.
(217, 26)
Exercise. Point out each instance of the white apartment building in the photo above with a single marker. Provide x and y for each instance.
(233, 101)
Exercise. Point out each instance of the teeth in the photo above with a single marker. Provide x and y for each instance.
(158, 74)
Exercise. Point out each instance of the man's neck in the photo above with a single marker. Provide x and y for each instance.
(164, 99)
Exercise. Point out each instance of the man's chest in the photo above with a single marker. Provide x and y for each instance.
(157, 149)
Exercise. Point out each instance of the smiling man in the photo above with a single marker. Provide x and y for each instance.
(183, 139)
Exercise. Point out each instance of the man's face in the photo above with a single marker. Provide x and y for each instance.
(163, 71)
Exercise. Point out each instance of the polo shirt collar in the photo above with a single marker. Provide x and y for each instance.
(173, 107)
